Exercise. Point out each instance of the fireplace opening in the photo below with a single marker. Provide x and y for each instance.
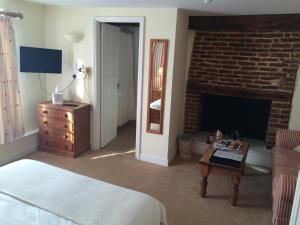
(249, 116)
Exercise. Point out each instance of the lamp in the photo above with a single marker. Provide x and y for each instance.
(73, 38)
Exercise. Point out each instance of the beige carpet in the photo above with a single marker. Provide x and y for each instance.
(177, 186)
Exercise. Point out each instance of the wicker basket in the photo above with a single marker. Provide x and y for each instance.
(185, 145)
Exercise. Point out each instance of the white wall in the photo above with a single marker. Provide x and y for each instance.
(159, 24)
(29, 32)
(190, 44)
(179, 82)
(295, 112)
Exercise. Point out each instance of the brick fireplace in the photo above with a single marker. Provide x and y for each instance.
(256, 64)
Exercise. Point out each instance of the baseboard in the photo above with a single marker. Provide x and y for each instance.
(154, 160)
(19, 148)
(18, 155)
(172, 158)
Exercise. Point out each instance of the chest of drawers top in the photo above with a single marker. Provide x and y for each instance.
(61, 111)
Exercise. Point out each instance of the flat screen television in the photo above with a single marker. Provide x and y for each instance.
(40, 60)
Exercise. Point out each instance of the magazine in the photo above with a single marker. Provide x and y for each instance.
(227, 145)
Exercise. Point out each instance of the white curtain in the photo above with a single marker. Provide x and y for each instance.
(11, 124)
(127, 98)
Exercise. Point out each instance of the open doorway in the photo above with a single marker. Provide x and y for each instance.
(119, 49)
(118, 83)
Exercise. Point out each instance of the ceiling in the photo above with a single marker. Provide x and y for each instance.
(238, 7)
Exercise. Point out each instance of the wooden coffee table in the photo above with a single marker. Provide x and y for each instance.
(207, 167)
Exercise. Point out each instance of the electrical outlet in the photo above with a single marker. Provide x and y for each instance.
(80, 71)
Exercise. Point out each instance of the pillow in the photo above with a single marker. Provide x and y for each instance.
(297, 149)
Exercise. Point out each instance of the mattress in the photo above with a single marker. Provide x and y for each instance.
(37, 193)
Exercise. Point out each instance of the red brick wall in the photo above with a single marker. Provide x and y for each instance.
(247, 60)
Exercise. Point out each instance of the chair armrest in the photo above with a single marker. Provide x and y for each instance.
(285, 187)
(287, 138)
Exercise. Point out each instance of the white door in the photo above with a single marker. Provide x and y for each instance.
(126, 87)
(110, 50)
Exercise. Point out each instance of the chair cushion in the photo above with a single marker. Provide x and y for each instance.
(284, 187)
(285, 162)
(283, 195)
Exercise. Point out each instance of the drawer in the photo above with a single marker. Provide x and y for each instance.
(54, 113)
(52, 143)
(47, 122)
(56, 134)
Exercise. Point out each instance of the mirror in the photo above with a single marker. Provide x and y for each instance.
(157, 82)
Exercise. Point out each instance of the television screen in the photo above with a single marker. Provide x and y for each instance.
(40, 60)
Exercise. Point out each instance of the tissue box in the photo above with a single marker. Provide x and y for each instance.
(57, 98)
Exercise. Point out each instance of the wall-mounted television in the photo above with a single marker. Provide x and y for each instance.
(40, 60)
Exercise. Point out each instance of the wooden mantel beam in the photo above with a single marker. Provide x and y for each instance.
(246, 23)
(195, 87)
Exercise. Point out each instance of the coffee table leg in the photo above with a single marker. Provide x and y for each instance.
(235, 190)
(204, 171)
(203, 186)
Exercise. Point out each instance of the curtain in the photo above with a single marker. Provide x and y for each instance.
(11, 124)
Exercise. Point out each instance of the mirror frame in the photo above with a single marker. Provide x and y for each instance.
(165, 42)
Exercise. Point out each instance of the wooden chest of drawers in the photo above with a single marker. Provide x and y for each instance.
(64, 129)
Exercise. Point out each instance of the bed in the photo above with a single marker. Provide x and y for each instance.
(34, 193)
(156, 104)
(155, 114)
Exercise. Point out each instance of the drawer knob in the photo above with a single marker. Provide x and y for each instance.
(66, 115)
(66, 136)
(45, 112)
(65, 126)
(46, 123)
(66, 146)
(46, 132)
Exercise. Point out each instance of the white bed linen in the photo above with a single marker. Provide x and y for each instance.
(15, 212)
(78, 198)
(156, 104)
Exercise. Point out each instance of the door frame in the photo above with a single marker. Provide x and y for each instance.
(96, 80)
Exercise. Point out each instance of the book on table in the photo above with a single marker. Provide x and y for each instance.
(227, 145)
(227, 158)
